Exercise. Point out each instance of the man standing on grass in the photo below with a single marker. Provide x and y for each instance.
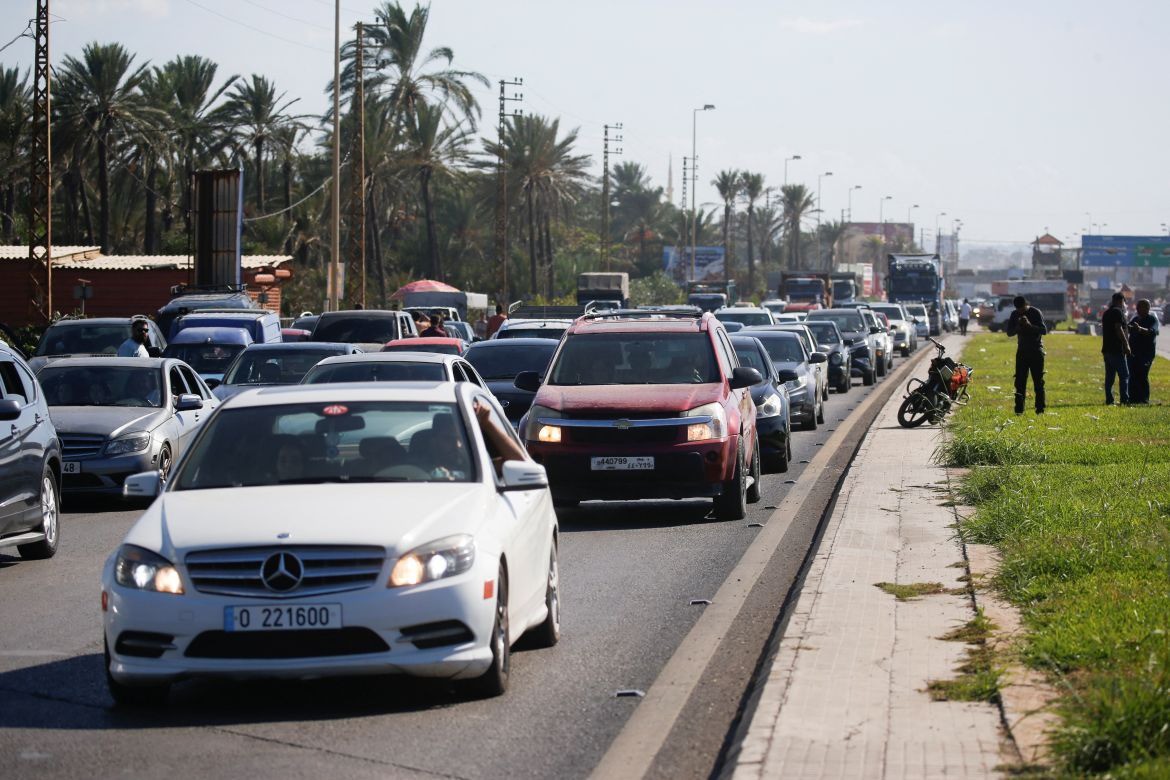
(1115, 348)
(1027, 325)
(964, 317)
(1143, 339)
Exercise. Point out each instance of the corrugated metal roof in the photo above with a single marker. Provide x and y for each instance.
(80, 257)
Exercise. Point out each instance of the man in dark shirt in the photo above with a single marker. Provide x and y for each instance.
(495, 321)
(1143, 339)
(435, 329)
(1115, 348)
(1027, 325)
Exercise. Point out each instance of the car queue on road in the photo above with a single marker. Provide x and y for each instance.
(625, 405)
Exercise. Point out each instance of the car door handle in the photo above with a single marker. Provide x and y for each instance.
(37, 420)
(14, 430)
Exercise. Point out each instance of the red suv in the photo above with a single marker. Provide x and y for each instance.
(646, 405)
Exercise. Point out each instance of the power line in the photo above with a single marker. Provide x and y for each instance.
(290, 17)
(253, 28)
(26, 33)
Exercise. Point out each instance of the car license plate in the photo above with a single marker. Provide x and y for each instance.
(621, 463)
(281, 617)
(71, 467)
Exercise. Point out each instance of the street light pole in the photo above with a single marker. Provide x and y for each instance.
(786, 159)
(819, 209)
(695, 181)
(850, 200)
(908, 219)
(937, 237)
(882, 215)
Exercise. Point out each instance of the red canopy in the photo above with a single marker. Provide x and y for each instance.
(422, 285)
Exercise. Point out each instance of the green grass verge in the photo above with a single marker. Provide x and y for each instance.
(1078, 502)
(912, 590)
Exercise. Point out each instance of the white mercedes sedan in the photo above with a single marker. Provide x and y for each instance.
(339, 529)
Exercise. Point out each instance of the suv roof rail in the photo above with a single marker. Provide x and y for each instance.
(663, 312)
(194, 289)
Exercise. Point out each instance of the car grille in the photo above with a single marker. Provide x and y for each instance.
(81, 445)
(237, 572)
(314, 643)
(655, 435)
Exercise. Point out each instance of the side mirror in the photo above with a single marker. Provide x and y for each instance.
(875, 329)
(787, 375)
(214, 383)
(847, 342)
(9, 409)
(527, 380)
(523, 475)
(188, 402)
(818, 357)
(744, 377)
(154, 352)
(144, 485)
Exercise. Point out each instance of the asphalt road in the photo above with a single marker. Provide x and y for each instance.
(628, 573)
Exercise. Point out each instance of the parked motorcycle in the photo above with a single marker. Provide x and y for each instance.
(930, 400)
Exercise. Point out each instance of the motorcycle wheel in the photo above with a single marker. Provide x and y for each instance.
(914, 411)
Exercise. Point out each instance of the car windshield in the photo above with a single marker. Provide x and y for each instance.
(750, 356)
(845, 320)
(83, 339)
(505, 362)
(782, 347)
(532, 333)
(441, 349)
(101, 385)
(372, 371)
(825, 332)
(205, 358)
(636, 359)
(745, 317)
(311, 443)
(891, 312)
(916, 310)
(273, 367)
(356, 330)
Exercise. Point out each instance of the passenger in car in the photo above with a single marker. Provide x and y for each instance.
(501, 447)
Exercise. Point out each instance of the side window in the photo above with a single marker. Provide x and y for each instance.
(193, 382)
(502, 424)
(30, 383)
(725, 363)
(729, 350)
(10, 382)
(457, 373)
(178, 386)
(472, 374)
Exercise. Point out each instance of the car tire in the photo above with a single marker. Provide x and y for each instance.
(846, 383)
(50, 520)
(165, 461)
(548, 633)
(811, 423)
(732, 503)
(753, 492)
(881, 367)
(906, 352)
(869, 378)
(134, 695)
(821, 414)
(494, 681)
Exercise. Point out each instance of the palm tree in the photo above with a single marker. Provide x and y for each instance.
(101, 94)
(728, 183)
(258, 114)
(753, 188)
(15, 109)
(435, 151)
(797, 201)
(402, 65)
(830, 233)
(769, 223)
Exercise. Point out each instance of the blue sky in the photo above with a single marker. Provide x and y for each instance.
(1013, 116)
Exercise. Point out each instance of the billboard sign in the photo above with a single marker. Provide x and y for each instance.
(708, 264)
(218, 226)
(1125, 251)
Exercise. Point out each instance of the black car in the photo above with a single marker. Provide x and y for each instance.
(858, 337)
(500, 361)
(830, 341)
(30, 462)
(773, 422)
(187, 302)
(788, 354)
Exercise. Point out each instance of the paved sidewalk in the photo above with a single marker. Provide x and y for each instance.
(846, 695)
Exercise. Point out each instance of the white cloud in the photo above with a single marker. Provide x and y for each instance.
(79, 9)
(806, 26)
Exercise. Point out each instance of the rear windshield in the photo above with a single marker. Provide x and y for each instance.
(506, 362)
(825, 332)
(916, 310)
(270, 367)
(368, 371)
(892, 312)
(205, 358)
(846, 320)
(531, 333)
(292, 444)
(440, 349)
(782, 347)
(636, 359)
(745, 317)
(356, 330)
(83, 339)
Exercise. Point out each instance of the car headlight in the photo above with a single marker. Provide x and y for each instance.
(135, 441)
(835, 358)
(441, 558)
(773, 405)
(141, 569)
(797, 384)
(538, 431)
(715, 429)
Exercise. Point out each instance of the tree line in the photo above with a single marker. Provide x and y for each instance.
(128, 135)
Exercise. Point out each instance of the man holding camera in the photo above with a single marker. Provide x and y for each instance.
(1027, 325)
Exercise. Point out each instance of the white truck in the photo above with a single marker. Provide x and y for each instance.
(1050, 296)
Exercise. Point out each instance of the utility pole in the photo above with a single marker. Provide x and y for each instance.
(686, 219)
(357, 205)
(605, 190)
(502, 185)
(40, 201)
(334, 286)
